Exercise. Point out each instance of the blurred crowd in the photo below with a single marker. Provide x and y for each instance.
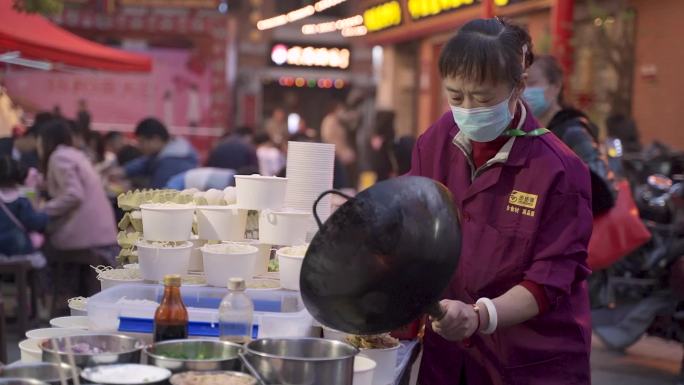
(59, 178)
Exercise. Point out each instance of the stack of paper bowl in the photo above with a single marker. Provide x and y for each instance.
(256, 192)
(221, 223)
(167, 227)
(229, 260)
(310, 170)
(285, 228)
(167, 221)
(157, 260)
(290, 260)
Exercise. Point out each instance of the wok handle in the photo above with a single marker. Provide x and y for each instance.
(320, 197)
(436, 311)
(251, 369)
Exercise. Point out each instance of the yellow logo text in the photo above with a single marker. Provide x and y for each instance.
(521, 199)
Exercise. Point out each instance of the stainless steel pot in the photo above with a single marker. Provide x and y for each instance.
(169, 354)
(302, 361)
(115, 348)
(41, 371)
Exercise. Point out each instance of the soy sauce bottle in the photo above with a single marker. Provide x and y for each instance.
(171, 317)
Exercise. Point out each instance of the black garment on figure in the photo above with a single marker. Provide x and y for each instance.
(577, 132)
(233, 153)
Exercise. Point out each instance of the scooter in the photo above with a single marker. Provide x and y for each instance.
(643, 292)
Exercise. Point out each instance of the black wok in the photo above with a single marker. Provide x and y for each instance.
(383, 258)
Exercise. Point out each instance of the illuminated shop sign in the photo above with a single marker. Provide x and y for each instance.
(292, 55)
(382, 16)
(419, 9)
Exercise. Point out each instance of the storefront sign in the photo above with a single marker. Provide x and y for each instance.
(419, 9)
(306, 56)
(382, 16)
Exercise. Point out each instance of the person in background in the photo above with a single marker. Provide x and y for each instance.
(22, 145)
(17, 217)
(271, 159)
(116, 145)
(167, 107)
(57, 111)
(382, 144)
(235, 152)
(96, 145)
(114, 141)
(204, 178)
(334, 132)
(163, 156)
(25, 148)
(276, 127)
(80, 137)
(83, 119)
(194, 108)
(81, 217)
(403, 148)
(624, 128)
(544, 94)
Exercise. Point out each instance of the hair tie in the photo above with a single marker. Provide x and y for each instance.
(524, 57)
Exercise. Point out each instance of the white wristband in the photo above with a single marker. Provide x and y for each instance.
(493, 317)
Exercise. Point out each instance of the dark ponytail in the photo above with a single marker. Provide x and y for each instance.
(11, 172)
(488, 50)
(55, 133)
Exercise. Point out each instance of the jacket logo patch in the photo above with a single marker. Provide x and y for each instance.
(521, 199)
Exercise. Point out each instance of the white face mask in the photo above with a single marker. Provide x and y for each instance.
(483, 124)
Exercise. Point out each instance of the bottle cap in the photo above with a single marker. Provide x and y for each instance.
(172, 280)
(236, 284)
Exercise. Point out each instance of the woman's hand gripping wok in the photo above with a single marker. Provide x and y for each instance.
(457, 321)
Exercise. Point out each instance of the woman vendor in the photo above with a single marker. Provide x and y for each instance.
(517, 310)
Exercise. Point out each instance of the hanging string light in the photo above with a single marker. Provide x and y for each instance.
(297, 14)
(332, 26)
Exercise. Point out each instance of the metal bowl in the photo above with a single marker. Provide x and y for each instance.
(21, 381)
(179, 379)
(116, 349)
(302, 360)
(41, 371)
(226, 355)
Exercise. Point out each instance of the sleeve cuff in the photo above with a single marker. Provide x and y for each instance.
(538, 293)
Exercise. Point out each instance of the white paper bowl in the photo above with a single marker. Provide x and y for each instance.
(290, 268)
(221, 223)
(256, 192)
(224, 261)
(53, 332)
(167, 222)
(30, 351)
(108, 282)
(283, 228)
(386, 360)
(263, 257)
(156, 262)
(196, 263)
(71, 322)
(364, 370)
(76, 309)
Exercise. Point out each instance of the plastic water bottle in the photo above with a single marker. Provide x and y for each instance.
(236, 313)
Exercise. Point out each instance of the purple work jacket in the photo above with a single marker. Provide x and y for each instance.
(525, 216)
